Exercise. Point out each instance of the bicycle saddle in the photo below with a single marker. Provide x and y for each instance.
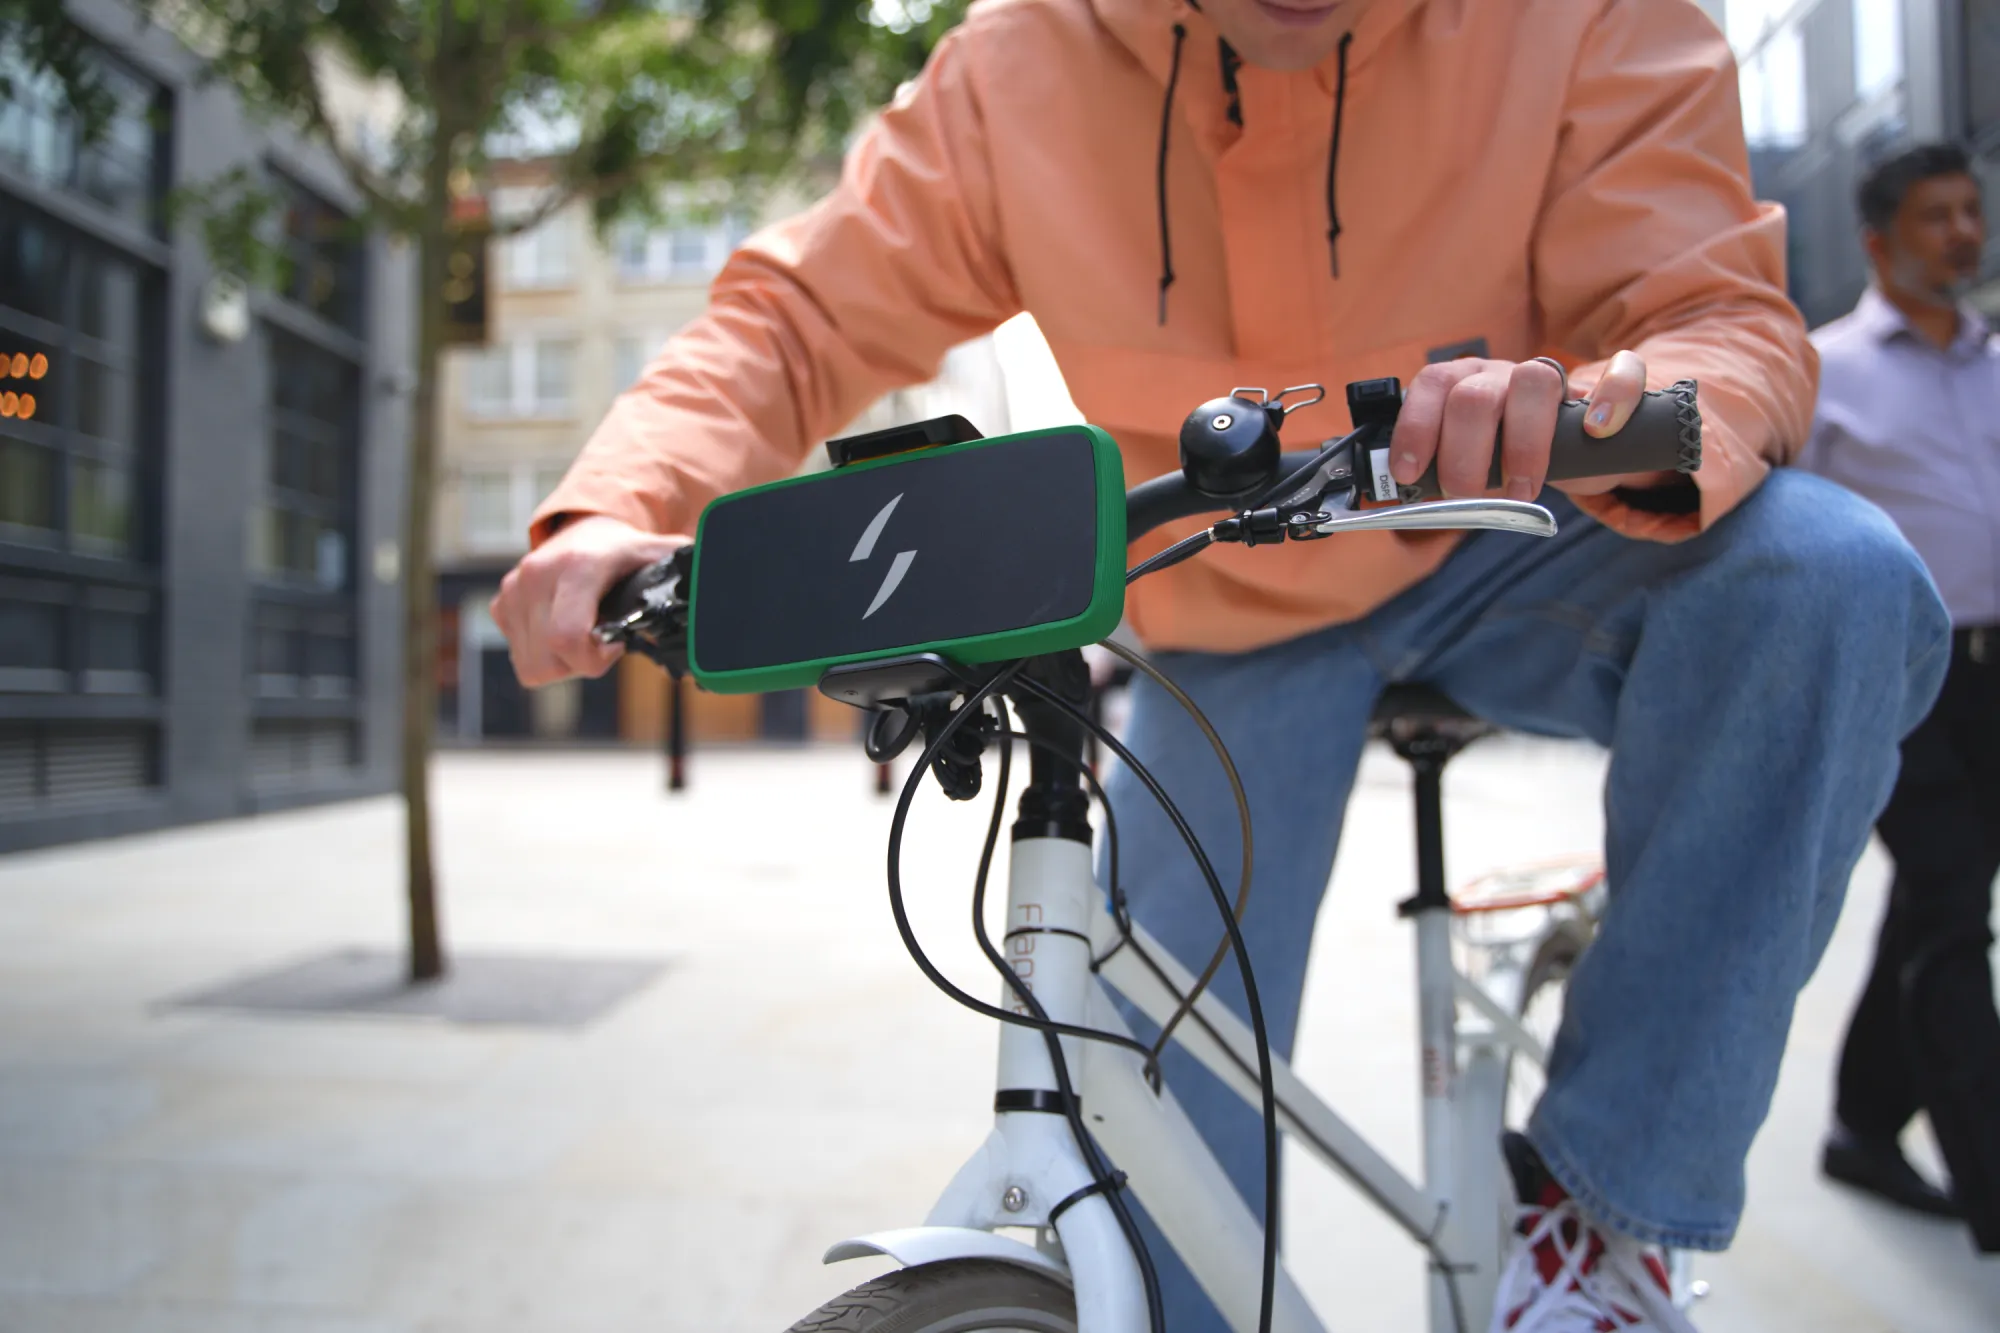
(1409, 706)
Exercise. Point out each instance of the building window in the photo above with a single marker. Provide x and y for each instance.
(554, 362)
(544, 478)
(1982, 58)
(41, 138)
(489, 379)
(1878, 46)
(1772, 83)
(496, 504)
(629, 356)
(676, 254)
(303, 533)
(79, 449)
(323, 268)
(72, 452)
(543, 256)
(687, 251)
(488, 498)
(529, 377)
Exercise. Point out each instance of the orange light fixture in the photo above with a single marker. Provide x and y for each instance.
(38, 367)
(10, 403)
(20, 365)
(27, 409)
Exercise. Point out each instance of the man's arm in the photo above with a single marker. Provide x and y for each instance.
(807, 324)
(1816, 456)
(1650, 239)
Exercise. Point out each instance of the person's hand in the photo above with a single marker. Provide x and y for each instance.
(1454, 410)
(548, 603)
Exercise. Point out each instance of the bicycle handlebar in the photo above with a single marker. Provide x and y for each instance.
(1663, 435)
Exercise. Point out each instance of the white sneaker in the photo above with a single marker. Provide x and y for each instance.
(1567, 1275)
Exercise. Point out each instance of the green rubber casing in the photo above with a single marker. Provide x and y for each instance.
(990, 550)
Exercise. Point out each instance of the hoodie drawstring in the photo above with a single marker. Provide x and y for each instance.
(1160, 179)
(1333, 162)
(1231, 62)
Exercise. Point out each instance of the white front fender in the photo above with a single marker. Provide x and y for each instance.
(912, 1246)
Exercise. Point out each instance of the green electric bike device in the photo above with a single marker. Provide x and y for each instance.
(920, 539)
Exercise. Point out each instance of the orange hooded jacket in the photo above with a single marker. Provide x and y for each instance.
(1538, 176)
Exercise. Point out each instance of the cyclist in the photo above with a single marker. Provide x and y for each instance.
(1189, 197)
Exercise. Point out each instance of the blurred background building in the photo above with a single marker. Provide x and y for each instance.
(199, 492)
(573, 319)
(1831, 85)
(197, 487)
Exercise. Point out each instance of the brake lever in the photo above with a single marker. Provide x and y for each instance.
(1490, 515)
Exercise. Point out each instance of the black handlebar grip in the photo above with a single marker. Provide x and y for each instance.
(1664, 435)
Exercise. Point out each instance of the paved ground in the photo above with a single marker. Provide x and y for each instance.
(787, 1080)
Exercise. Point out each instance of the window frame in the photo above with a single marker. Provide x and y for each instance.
(521, 356)
(59, 567)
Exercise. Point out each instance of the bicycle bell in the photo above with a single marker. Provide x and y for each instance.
(1230, 445)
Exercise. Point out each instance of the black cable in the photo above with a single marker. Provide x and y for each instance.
(898, 823)
(1262, 1075)
(1121, 915)
(1106, 1180)
(1251, 999)
(1305, 1131)
(1185, 549)
(1220, 953)
(1185, 1006)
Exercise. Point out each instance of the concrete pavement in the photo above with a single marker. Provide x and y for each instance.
(787, 1080)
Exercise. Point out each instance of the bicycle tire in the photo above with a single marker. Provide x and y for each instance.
(951, 1296)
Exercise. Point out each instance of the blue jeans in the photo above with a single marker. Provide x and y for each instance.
(1752, 685)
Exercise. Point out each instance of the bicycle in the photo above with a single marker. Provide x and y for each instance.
(1076, 1090)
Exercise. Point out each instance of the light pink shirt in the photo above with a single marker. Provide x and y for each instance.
(1916, 429)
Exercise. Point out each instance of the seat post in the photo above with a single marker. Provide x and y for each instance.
(1427, 749)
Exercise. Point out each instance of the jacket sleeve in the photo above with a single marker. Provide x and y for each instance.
(812, 319)
(1650, 239)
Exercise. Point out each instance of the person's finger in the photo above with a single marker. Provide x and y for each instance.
(587, 655)
(1471, 429)
(1528, 427)
(523, 603)
(1616, 396)
(573, 617)
(1420, 421)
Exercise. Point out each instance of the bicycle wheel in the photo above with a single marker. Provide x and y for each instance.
(1540, 1012)
(954, 1296)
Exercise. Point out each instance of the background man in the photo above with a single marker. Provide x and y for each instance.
(1909, 416)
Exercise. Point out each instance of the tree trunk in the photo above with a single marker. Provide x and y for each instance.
(427, 960)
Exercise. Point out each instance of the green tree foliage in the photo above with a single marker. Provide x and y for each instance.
(617, 99)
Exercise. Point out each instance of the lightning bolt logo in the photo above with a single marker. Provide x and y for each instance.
(898, 567)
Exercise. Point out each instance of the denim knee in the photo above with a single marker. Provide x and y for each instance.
(1830, 573)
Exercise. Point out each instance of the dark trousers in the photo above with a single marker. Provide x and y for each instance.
(1925, 1035)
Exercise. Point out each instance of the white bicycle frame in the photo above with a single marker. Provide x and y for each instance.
(1030, 1164)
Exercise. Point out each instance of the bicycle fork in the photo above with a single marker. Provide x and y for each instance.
(1031, 1171)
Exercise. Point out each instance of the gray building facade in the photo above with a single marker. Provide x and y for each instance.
(199, 523)
(1831, 86)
